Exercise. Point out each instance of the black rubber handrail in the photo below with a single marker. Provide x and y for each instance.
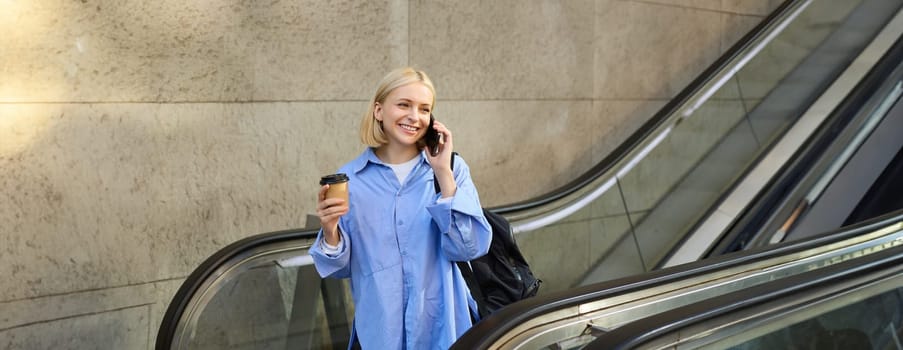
(642, 331)
(491, 329)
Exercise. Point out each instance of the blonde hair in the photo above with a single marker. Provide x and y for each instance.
(371, 129)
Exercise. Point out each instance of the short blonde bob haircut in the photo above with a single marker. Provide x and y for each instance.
(371, 129)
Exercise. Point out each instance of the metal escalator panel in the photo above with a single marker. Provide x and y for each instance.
(853, 303)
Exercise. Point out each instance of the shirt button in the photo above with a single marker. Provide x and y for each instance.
(400, 223)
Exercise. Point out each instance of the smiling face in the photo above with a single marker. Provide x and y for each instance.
(405, 115)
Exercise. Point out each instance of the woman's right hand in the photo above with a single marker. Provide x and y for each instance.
(330, 210)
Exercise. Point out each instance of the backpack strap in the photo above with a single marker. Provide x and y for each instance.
(464, 266)
(436, 181)
(475, 290)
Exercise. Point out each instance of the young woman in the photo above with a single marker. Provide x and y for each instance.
(396, 238)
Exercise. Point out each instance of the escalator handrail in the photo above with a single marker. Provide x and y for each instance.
(490, 330)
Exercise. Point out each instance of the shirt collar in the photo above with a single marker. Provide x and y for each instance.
(369, 156)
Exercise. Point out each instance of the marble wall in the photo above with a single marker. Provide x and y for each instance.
(139, 137)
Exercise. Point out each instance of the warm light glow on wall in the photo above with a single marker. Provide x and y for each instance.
(20, 126)
(15, 23)
(9, 9)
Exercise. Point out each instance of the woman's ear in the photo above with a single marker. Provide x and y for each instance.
(378, 112)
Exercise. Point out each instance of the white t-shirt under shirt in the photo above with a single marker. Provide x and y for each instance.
(404, 169)
(401, 172)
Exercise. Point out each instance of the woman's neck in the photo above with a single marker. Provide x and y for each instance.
(396, 154)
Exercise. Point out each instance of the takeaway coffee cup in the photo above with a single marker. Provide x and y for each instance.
(338, 185)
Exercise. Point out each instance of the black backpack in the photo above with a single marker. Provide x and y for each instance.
(502, 276)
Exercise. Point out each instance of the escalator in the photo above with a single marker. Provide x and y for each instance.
(616, 220)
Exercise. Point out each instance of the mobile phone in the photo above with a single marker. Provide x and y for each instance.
(432, 138)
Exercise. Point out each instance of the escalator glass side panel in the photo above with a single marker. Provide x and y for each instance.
(269, 297)
(837, 296)
(865, 319)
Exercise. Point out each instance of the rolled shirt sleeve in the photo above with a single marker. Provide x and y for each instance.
(330, 263)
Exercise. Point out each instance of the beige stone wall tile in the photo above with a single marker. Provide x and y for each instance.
(714, 5)
(128, 51)
(751, 7)
(646, 51)
(106, 195)
(57, 194)
(320, 50)
(118, 329)
(191, 51)
(505, 49)
(23, 312)
(520, 149)
(735, 27)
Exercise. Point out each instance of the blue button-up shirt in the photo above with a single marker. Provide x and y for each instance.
(399, 247)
